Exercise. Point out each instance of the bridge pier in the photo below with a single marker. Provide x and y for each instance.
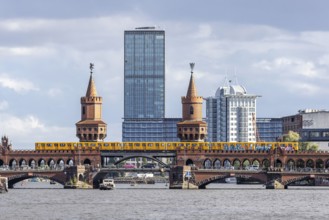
(276, 185)
(181, 177)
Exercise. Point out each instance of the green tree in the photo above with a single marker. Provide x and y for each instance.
(291, 137)
(305, 146)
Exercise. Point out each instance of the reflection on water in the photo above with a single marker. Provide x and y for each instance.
(219, 201)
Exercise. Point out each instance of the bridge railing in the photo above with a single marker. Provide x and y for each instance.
(269, 169)
(27, 168)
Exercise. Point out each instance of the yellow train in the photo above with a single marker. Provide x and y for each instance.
(164, 146)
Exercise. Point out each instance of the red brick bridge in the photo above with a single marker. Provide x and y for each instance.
(196, 169)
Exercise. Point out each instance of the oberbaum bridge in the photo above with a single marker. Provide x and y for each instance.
(195, 163)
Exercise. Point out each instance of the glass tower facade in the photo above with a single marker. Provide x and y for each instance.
(269, 129)
(144, 87)
(144, 73)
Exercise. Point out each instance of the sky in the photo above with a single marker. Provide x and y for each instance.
(276, 49)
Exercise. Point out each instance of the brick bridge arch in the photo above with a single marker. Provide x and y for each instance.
(91, 157)
(59, 177)
(202, 178)
(142, 156)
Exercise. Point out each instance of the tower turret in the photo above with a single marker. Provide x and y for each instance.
(91, 127)
(192, 128)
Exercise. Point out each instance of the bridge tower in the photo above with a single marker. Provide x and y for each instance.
(91, 127)
(192, 128)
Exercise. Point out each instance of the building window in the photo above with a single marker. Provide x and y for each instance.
(191, 110)
(315, 134)
(83, 110)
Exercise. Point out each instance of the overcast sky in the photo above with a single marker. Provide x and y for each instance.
(276, 49)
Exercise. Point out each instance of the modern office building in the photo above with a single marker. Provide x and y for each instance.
(312, 126)
(144, 86)
(268, 129)
(231, 115)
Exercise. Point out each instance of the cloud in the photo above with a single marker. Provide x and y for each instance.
(18, 85)
(54, 92)
(3, 105)
(290, 66)
(24, 131)
(25, 51)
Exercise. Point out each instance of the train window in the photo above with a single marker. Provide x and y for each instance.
(93, 145)
(48, 145)
(150, 145)
(106, 144)
(144, 145)
(62, 145)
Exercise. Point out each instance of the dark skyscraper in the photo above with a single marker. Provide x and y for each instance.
(144, 73)
(144, 87)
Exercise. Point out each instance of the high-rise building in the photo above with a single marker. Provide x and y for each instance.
(144, 86)
(231, 115)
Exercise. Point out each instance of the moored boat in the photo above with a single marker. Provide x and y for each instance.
(230, 180)
(3, 184)
(107, 184)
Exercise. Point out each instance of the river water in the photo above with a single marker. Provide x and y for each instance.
(219, 201)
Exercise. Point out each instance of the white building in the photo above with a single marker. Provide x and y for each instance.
(231, 115)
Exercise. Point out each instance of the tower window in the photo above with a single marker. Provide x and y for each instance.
(191, 110)
(83, 110)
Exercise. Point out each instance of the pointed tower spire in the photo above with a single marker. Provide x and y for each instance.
(191, 91)
(91, 126)
(91, 91)
(192, 128)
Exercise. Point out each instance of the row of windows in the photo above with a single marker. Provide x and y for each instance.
(236, 139)
(316, 134)
(90, 129)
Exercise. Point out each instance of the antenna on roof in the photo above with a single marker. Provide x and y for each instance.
(236, 78)
(226, 81)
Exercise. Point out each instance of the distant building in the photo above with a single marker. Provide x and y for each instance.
(91, 126)
(268, 129)
(231, 115)
(312, 126)
(162, 130)
(144, 87)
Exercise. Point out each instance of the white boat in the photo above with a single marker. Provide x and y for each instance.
(107, 184)
(230, 180)
(3, 184)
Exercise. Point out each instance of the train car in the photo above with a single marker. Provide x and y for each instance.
(165, 146)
